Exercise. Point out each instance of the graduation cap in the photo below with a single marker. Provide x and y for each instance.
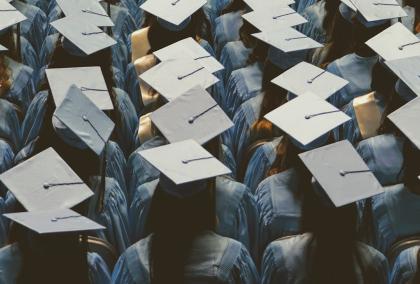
(174, 13)
(9, 15)
(193, 115)
(378, 10)
(89, 11)
(184, 163)
(307, 117)
(54, 221)
(86, 37)
(45, 182)
(408, 70)
(407, 119)
(258, 5)
(89, 80)
(85, 120)
(305, 77)
(287, 40)
(274, 19)
(189, 49)
(2, 48)
(172, 78)
(341, 173)
(396, 42)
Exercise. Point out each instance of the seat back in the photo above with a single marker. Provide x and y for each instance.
(104, 249)
(401, 245)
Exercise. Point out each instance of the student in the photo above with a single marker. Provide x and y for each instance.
(189, 254)
(367, 111)
(357, 66)
(399, 201)
(60, 256)
(329, 252)
(159, 32)
(235, 206)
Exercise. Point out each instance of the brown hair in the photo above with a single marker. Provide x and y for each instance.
(5, 76)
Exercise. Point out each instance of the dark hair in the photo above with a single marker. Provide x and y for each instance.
(234, 6)
(340, 38)
(411, 165)
(333, 246)
(159, 37)
(174, 224)
(6, 39)
(274, 96)
(51, 258)
(331, 11)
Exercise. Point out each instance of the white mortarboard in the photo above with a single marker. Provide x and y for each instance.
(407, 120)
(172, 78)
(90, 11)
(87, 37)
(377, 10)
(184, 162)
(287, 40)
(408, 70)
(9, 15)
(193, 115)
(307, 117)
(274, 19)
(189, 49)
(258, 5)
(342, 173)
(85, 119)
(54, 221)
(45, 182)
(172, 11)
(396, 42)
(2, 48)
(305, 77)
(89, 79)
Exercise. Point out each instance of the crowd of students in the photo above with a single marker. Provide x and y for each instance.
(218, 141)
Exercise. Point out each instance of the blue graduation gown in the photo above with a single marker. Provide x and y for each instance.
(220, 259)
(280, 207)
(355, 69)
(405, 266)
(285, 261)
(236, 210)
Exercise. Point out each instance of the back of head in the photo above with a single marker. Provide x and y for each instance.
(174, 223)
(160, 37)
(55, 258)
(333, 252)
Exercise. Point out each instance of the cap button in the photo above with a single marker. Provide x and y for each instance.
(84, 117)
(46, 185)
(191, 120)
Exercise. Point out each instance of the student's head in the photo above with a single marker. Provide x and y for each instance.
(174, 223)
(51, 258)
(161, 34)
